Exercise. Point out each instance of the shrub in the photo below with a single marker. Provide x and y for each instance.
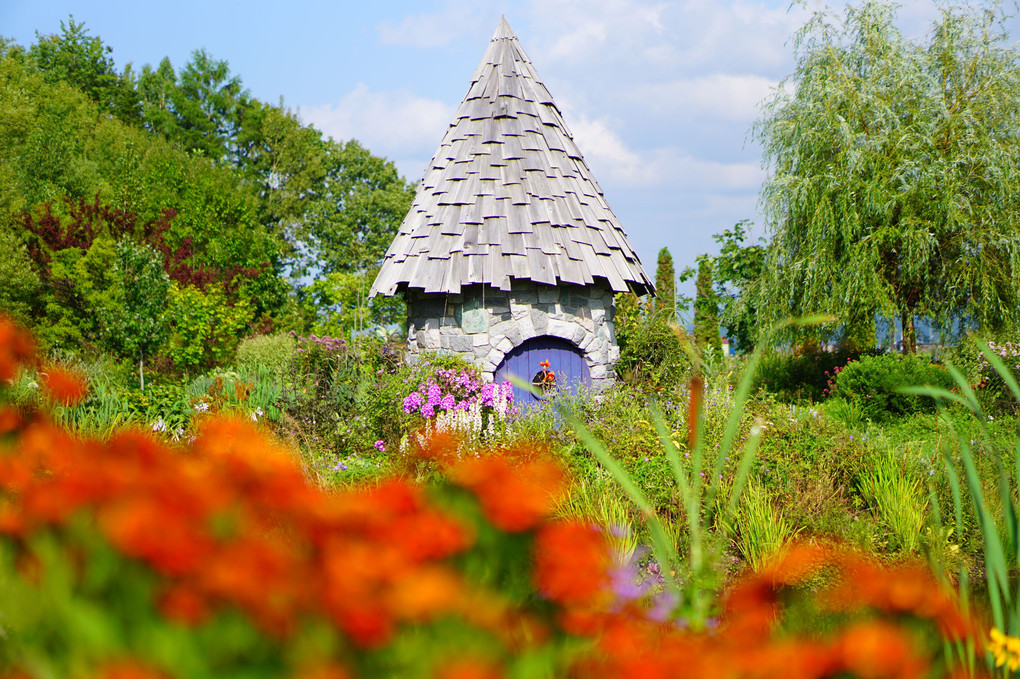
(874, 381)
(274, 352)
(802, 374)
(654, 355)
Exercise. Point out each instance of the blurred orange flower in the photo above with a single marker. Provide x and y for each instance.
(16, 348)
(63, 385)
(572, 562)
(513, 497)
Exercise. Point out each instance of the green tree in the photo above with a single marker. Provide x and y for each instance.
(205, 327)
(706, 307)
(665, 288)
(19, 283)
(340, 306)
(736, 270)
(364, 203)
(83, 61)
(135, 318)
(894, 181)
(199, 108)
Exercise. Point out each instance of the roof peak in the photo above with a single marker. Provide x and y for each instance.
(508, 196)
(503, 30)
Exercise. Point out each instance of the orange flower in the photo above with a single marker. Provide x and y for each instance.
(513, 499)
(16, 348)
(879, 649)
(473, 668)
(184, 605)
(425, 593)
(572, 563)
(65, 386)
(128, 669)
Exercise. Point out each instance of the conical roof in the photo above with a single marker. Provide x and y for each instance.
(508, 196)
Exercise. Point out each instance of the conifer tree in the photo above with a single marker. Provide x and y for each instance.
(706, 307)
(665, 288)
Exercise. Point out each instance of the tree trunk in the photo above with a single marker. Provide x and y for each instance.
(909, 333)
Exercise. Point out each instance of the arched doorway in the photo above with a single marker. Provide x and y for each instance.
(566, 362)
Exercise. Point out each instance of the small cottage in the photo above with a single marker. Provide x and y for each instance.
(510, 254)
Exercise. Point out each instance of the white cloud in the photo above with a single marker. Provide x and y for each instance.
(720, 95)
(650, 39)
(613, 162)
(603, 150)
(389, 123)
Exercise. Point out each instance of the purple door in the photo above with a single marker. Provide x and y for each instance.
(566, 362)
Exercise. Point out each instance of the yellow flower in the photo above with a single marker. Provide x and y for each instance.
(1005, 649)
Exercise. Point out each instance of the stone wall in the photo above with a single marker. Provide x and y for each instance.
(484, 324)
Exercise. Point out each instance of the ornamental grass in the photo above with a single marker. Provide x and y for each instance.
(129, 557)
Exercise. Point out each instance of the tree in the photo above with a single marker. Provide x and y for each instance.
(136, 322)
(83, 61)
(18, 281)
(737, 268)
(665, 287)
(364, 202)
(894, 181)
(706, 307)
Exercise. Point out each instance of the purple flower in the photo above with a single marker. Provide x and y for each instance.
(435, 394)
(625, 584)
(663, 606)
(428, 411)
(487, 391)
(413, 402)
(448, 402)
(380, 446)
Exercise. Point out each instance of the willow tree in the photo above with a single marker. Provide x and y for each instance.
(894, 172)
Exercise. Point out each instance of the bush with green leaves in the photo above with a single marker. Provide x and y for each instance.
(803, 373)
(206, 325)
(875, 382)
(654, 355)
(271, 352)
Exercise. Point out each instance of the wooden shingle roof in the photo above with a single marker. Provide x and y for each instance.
(508, 196)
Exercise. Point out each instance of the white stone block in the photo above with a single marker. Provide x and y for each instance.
(560, 329)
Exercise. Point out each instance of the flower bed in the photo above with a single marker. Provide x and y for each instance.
(132, 557)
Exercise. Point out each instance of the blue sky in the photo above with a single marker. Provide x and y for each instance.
(659, 95)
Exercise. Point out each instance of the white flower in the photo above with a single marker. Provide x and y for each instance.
(256, 415)
(159, 425)
(201, 407)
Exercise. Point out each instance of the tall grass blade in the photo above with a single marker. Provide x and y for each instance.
(690, 503)
(661, 544)
(744, 468)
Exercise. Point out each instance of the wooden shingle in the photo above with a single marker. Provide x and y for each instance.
(508, 196)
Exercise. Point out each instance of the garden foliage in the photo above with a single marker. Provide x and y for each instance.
(874, 384)
(254, 571)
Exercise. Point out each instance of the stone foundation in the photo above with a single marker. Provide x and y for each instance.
(484, 323)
